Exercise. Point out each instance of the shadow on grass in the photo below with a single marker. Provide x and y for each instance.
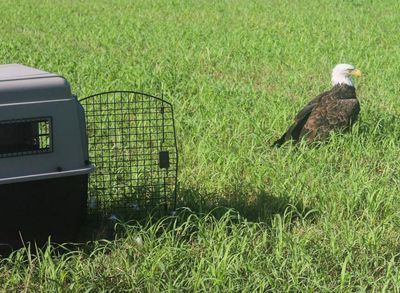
(255, 207)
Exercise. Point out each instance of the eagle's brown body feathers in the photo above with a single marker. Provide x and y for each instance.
(331, 110)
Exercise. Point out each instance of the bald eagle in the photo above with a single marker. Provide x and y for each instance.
(337, 108)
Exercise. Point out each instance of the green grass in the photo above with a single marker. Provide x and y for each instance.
(318, 219)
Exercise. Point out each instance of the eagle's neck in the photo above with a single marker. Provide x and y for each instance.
(344, 91)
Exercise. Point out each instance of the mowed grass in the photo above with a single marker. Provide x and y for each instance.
(309, 219)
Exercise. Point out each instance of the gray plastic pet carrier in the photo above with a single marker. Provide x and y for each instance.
(48, 150)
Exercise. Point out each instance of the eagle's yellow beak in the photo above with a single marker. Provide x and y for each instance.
(355, 73)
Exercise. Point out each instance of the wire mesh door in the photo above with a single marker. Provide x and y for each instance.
(132, 143)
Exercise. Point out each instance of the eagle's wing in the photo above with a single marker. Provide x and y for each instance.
(295, 130)
(330, 114)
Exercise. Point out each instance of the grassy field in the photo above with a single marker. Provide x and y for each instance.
(307, 219)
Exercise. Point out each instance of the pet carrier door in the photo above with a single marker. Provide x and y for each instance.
(132, 143)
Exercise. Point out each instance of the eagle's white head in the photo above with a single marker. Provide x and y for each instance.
(342, 74)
